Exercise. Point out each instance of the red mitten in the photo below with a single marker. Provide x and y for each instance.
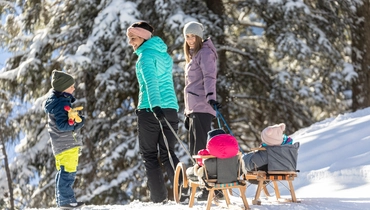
(70, 120)
(202, 152)
(73, 114)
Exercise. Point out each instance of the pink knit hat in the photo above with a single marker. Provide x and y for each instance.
(273, 135)
(141, 29)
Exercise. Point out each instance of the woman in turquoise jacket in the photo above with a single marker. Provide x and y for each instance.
(157, 100)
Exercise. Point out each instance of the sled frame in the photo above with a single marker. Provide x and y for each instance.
(264, 178)
(210, 184)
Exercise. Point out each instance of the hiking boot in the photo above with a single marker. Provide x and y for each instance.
(165, 201)
(184, 194)
(183, 197)
(202, 195)
(72, 205)
(219, 195)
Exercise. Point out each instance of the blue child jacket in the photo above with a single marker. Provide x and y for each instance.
(60, 131)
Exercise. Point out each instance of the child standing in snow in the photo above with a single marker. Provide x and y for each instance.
(63, 141)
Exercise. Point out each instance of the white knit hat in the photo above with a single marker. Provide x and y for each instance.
(194, 28)
(273, 135)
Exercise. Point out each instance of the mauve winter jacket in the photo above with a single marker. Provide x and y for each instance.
(200, 80)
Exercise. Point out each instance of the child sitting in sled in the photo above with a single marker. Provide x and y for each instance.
(219, 145)
(277, 146)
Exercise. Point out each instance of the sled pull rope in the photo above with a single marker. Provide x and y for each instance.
(218, 116)
(178, 139)
(166, 143)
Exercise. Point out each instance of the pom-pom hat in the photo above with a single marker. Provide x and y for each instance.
(60, 80)
(222, 145)
(194, 28)
(273, 135)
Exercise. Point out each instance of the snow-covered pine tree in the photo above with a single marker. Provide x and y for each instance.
(88, 40)
(7, 135)
(298, 67)
(359, 20)
(280, 61)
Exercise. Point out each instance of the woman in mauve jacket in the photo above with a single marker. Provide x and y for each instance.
(200, 88)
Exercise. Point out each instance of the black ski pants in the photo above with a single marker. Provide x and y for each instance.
(199, 125)
(154, 151)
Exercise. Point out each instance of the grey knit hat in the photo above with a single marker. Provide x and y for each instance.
(60, 81)
(194, 28)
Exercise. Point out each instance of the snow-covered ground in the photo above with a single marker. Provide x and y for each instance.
(334, 164)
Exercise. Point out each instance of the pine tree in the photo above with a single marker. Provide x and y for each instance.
(7, 127)
(86, 39)
(297, 74)
(279, 61)
(359, 17)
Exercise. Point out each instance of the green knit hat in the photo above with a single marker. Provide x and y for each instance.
(60, 81)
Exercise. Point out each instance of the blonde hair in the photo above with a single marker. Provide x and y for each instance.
(198, 46)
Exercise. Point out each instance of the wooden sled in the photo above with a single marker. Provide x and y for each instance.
(272, 176)
(210, 183)
(263, 178)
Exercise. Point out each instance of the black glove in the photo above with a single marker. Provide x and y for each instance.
(215, 105)
(186, 122)
(158, 113)
(79, 125)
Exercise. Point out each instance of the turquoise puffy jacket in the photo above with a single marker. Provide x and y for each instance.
(154, 74)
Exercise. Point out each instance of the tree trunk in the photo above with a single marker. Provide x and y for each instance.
(8, 176)
(361, 62)
(217, 7)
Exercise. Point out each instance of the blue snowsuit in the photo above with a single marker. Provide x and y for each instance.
(64, 144)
